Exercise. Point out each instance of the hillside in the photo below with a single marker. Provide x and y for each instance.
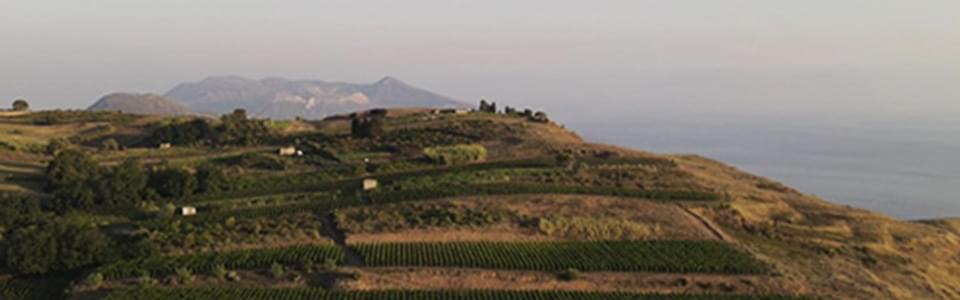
(280, 98)
(146, 104)
(420, 204)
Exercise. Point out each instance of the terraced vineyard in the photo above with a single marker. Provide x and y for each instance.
(627, 256)
(319, 294)
(460, 206)
(204, 263)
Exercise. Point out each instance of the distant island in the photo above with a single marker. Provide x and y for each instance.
(276, 98)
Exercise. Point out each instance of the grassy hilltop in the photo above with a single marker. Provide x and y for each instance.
(465, 205)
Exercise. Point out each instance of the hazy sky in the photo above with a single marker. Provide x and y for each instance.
(585, 59)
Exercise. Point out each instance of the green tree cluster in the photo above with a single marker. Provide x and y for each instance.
(366, 127)
(78, 182)
(55, 246)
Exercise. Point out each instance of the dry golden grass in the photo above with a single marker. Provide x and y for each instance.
(471, 279)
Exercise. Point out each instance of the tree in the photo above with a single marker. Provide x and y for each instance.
(20, 105)
(210, 179)
(122, 185)
(31, 250)
(186, 133)
(56, 246)
(366, 127)
(540, 117)
(173, 182)
(80, 246)
(236, 129)
(72, 177)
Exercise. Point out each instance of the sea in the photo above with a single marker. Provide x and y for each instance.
(903, 168)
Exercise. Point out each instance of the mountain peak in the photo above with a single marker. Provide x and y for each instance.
(388, 80)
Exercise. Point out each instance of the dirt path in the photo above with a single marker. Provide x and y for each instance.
(706, 223)
(352, 258)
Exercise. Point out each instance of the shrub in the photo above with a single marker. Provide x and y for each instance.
(184, 275)
(219, 271)
(94, 280)
(146, 280)
(330, 265)
(277, 270)
(569, 274)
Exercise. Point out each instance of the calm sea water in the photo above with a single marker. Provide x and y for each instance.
(902, 169)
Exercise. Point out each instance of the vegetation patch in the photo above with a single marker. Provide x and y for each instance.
(625, 256)
(458, 154)
(207, 263)
(417, 215)
(593, 228)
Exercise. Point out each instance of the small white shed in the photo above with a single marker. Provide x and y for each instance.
(187, 211)
(369, 184)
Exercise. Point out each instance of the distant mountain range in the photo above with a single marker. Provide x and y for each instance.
(148, 104)
(277, 98)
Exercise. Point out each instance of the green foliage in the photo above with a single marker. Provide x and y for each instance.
(569, 274)
(277, 270)
(56, 145)
(77, 182)
(329, 265)
(623, 256)
(205, 263)
(94, 280)
(184, 275)
(458, 154)
(57, 246)
(237, 129)
(486, 107)
(366, 127)
(122, 185)
(416, 215)
(211, 179)
(220, 272)
(20, 105)
(194, 132)
(173, 182)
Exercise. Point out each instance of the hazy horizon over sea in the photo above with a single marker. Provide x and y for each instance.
(908, 170)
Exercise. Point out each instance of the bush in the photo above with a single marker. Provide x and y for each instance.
(277, 270)
(173, 182)
(220, 272)
(110, 145)
(184, 275)
(330, 265)
(569, 274)
(94, 280)
(458, 154)
(146, 280)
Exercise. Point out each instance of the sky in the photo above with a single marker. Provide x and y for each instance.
(579, 60)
